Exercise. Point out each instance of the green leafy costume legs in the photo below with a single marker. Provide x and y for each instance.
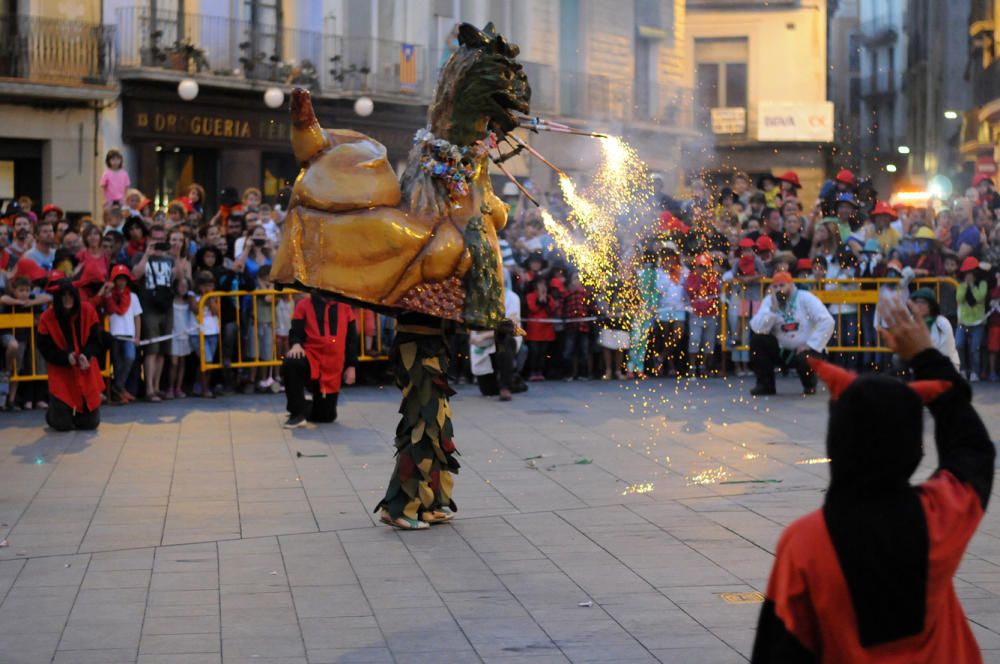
(425, 453)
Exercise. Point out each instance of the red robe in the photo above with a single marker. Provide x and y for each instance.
(326, 352)
(811, 596)
(80, 390)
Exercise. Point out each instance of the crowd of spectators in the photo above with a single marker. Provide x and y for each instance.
(697, 269)
(713, 252)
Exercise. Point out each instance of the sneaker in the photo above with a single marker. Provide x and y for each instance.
(761, 391)
(994, 377)
(505, 395)
(808, 391)
(973, 378)
(295, 421)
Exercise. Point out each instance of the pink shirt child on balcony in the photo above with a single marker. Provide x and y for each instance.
(114, 181)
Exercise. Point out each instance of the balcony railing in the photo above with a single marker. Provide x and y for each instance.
(335, 64)
(218, 45)
(54, 51)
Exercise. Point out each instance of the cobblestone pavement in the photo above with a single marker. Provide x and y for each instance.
(599, 522)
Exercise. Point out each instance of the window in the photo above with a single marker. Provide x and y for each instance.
(264, 18)
(721, 71)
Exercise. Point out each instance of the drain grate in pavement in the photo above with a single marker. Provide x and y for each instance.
(742, 598)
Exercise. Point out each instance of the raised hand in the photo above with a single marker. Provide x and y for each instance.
(905, 333)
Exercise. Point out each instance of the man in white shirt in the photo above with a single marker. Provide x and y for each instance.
(789, 325)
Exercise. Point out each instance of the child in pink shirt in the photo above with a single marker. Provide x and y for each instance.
(115, 180)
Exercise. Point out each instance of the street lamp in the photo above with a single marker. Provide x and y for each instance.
(951, 115)
(187, 89)
(890, 168)
(364, 106)
(903, 149)
(274, 97)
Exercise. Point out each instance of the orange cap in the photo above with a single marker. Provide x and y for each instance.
(782, 278)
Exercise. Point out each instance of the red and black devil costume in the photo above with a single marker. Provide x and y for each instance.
(327, 333)
(64, 335)
(868, 578)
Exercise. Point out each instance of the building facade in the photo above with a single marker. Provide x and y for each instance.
(979, 140)
(617, 68)
(758, 69)
(56, 79)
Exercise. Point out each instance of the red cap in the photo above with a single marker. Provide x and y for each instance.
(703, 260)
(55, 276)
(982, 177)
(804, 264)
(881, 207)
(52, 207)
(782, 278)
(746, 243)
(25, 267)
(669, 222)
(792, 178)
(121, 271)
(845, 176)
(968, 265)
(765, 243)
(143, 203)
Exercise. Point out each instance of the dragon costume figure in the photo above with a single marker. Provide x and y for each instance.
(423, 247)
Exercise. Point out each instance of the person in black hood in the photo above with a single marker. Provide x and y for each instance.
(868, 578)
(69, 337)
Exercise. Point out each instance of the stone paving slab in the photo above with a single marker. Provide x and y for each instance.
(599, 522)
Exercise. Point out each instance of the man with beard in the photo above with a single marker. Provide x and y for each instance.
(20, 245)
(790, 324)
(69, 338)
(869, 577)
(44, 251)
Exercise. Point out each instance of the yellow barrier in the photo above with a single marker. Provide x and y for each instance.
(368, 352)
(850, 292)
(26, 321)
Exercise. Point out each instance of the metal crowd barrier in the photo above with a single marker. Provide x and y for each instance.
(26, 321)
(843, 292)
(247, 340)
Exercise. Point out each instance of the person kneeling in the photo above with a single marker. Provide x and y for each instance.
(324, 349)
(69, 338)
(790, 325)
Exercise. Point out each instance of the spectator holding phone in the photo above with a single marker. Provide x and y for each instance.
(154, 271)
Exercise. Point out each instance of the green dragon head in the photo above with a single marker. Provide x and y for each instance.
(482, 88)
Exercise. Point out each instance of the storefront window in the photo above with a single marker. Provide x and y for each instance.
(279, 170)
(179, 167)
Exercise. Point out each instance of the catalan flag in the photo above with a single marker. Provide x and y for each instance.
(408, 67)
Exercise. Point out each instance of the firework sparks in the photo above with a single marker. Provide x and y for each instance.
(710, 476)
(646, 487)
(812, 462)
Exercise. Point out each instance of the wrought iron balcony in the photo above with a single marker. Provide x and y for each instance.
(219, 46)
(44, 50)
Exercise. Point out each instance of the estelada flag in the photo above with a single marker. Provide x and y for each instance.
(408, 67)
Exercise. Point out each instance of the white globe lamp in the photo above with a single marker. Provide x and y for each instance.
(274, 97)
(187, 89)
(364, 106)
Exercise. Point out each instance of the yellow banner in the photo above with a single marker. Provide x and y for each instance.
(847, 296)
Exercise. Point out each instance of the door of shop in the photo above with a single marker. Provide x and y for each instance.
(178, 167)
(21, 170)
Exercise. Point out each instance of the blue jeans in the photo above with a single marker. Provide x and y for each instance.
(872, 361)
(969, 339)
(122, 358)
